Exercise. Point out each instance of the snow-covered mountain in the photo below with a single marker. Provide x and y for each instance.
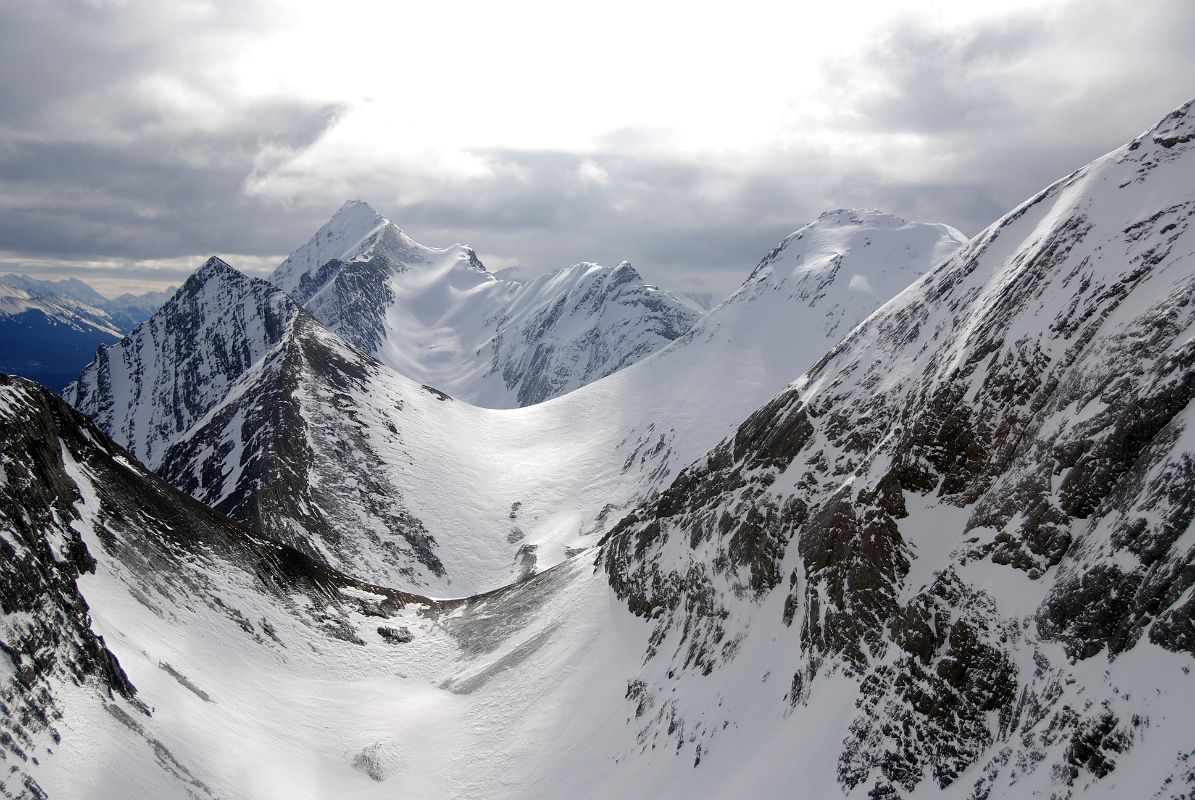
(438, 317)
(125, 312)
(130, 310)
(69, 288)
(293, 432)
(571, 327)
(154, 649)
(153, 386)
(958, 551)
(238, 397)
(643, 424)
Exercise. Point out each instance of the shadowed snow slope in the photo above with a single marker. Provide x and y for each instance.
(93, 545)
(438, 317)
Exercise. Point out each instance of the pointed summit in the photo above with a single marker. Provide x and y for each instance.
(154, 384)
(350, 233)
(214, 266)
(215, 263)
(438, 316)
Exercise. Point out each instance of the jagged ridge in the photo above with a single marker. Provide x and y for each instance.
(998, 460)
(438, 317)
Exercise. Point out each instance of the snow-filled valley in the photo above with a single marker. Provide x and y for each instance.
(905, 515)
(476, 497)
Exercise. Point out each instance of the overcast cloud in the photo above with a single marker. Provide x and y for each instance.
(136, 138)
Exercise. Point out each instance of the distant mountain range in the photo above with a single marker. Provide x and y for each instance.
(50, 330)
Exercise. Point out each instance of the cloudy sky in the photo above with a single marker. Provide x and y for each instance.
(138, 137)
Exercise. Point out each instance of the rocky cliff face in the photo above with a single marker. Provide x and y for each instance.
(977, 509)
(291, 452)
(45, 630)
(155, 384)
(575, 326)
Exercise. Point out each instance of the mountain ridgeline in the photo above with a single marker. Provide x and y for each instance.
(437, 315)
(977, 508)
(905, 516)
(235, 394)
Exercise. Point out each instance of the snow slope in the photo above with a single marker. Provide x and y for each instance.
(94, 546)
(153, 649)
(438, 317)
(631, 432)
(972, 519)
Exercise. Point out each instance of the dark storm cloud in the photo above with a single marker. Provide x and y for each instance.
(65, 59)
(121, 145)
(95, 168)
(158, 196)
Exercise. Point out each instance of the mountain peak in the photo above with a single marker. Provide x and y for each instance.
(216, 264)
(163, 369)
(358, 203)
(72, 288)
(214, 268)
(354, 212)
(349, 234)
(472, 259)
(848, 260)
